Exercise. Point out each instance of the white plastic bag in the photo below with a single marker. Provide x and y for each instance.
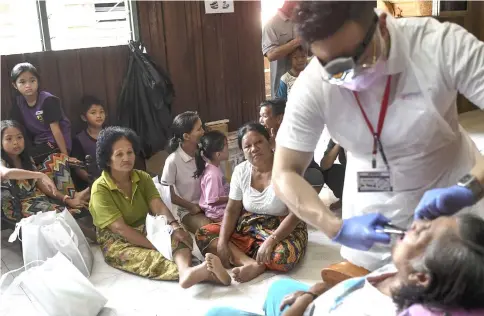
(45, 234)
(159, 233)
(57, 288)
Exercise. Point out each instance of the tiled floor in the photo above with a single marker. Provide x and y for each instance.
(131, 295)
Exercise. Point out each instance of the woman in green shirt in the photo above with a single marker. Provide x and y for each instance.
(120, 200)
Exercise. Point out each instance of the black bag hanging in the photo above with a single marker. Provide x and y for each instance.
(145, 100)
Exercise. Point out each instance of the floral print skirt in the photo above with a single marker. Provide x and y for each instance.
(149, 263)
(252, 230)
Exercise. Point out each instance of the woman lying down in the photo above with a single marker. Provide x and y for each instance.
(438, 269)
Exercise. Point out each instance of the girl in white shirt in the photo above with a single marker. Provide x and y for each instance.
(180, 168)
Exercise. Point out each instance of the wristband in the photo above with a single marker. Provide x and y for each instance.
(274, 237)
(65, 198)
(173, 221)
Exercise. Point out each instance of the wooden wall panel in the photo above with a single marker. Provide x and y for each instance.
(214, 60)
(70, 74)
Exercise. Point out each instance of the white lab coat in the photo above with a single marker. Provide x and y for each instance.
(422, 139)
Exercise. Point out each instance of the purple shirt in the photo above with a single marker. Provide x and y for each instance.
(37, 119)
(213, 185)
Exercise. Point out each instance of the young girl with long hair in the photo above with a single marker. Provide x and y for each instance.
(179, 169)
(212, 150)
(22, 198)
(41, 113)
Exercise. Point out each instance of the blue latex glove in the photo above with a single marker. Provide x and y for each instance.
(359, 232)
(444, 202)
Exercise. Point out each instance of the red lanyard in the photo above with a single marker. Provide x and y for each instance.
(381, 119)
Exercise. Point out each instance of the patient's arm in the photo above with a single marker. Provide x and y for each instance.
(303, 301)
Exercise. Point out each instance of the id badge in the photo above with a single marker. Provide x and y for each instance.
(374, 181)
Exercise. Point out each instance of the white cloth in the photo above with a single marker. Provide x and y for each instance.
(45, 234)
(178, 172)
(159, 233)
(57, 288)
(426, 147)
(265, 202)
(366, 300)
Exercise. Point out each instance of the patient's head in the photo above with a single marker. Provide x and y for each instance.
(441, 264)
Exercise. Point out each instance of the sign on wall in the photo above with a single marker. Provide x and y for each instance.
(219, 6)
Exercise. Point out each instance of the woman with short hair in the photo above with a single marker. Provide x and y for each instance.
(120, 201)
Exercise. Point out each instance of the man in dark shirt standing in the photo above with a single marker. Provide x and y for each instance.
(334, 174)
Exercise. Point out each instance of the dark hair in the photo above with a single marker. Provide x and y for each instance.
(251, 127)
(300, 48)
(318, 20)
(455, 264)
(182, 123)
(210, 143)
(19, 69)
(106, 139)
(278, 105)
(87, 101)
(25, 158)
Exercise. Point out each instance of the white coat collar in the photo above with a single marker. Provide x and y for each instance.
(396, 59)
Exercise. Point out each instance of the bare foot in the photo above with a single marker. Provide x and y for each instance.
(194, 275)
(215, 266)
(248, 272)
(200, 273)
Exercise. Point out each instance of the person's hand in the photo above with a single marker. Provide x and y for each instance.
(265, 251)
(299, 297)
(77, 203)
(359, 232)
(49, 184)
(195, 209)
(297, 41)
(444, 201)
(183, 236)
(224, 254)
(74, 162)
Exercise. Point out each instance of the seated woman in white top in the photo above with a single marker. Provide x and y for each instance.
(437, 270)
(257, 231)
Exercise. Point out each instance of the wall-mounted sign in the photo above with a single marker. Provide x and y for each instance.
(219, 6)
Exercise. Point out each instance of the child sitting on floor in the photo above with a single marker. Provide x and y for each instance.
(41, 113)
(179, 169)
(212, 149)
(299, 59)
(85, 142)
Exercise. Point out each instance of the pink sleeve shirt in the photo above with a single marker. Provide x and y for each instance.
(213, 185)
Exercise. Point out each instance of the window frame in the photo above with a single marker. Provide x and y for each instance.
(43, 18)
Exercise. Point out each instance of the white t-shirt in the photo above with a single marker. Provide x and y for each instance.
(178, 171)
(265, 202)
(362, 300)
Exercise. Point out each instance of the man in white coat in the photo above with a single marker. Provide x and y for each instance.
(386, 89)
